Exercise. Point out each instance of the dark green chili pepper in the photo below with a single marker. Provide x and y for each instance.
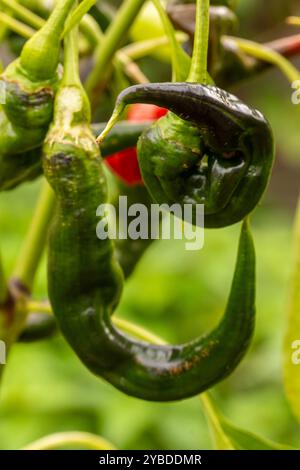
(211, 149)
(85, 280)
(40, 326)
(128, 251)
(29, 85)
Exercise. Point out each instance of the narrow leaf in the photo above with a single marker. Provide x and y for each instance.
(220, 438)
(227, 436)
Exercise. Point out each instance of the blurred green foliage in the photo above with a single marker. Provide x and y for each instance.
(175, 294)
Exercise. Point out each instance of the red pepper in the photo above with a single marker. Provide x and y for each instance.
(125, 163)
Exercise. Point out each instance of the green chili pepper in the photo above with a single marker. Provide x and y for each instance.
(85, 280)
(129, 251)
(29, 85)
(211, 149)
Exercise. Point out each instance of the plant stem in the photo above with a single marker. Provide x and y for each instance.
(71, 59)
(84, 439)
(3, 283)
(24, 13)
(128, 327)
(198, 70)
(78, 15)
(137, 331)
(111, 40)
(294, 20)
(16, 26)
(181, 62)
(140, 49)
(34, 242)
(268, 55)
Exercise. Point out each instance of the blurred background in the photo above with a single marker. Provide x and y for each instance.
(175, 294)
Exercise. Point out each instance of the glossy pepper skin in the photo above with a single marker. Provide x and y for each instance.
(85, 281)
(210, 149)
(29, 85)
(129, 251)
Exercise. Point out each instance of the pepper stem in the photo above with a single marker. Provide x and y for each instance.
(71, 76)
(40, 55)
(71, 59)
(181, 62)
(266, 54)
(198, 70)
(119, 108)
(77, 15)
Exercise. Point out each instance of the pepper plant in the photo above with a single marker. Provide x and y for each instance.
(186, 140)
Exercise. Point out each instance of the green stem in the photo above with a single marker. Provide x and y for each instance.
(77, 15)
(266, 54)
(24, 13)
(3, 283)
(128, 327)
(16, 26)
(198, 70)
(138, 50)
(38, 307)
(180, 61)
(71, 59)
(111, 40)
(93, 32)
(222, 441)
(84, 439)
(294, 20)
(34, 243)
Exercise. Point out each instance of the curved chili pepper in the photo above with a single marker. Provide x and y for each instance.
(29, 85)
(85, 280)
(215, 150)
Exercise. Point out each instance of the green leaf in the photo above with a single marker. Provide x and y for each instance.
(227, 436)
(292, 337)
(246, 440)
